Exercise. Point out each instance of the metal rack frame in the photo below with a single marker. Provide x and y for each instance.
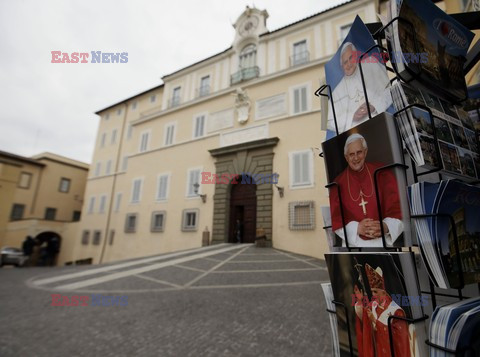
(471, 21)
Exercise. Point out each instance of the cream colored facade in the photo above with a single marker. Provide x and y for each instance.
(41, 195)
(262, 119)
(279, 103)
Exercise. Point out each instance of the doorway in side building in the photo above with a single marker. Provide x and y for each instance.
(47, 248)
(243, 210)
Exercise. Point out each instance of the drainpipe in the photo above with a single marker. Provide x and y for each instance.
(112, 193)
(37, 189)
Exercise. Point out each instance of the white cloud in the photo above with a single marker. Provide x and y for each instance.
(50, 107)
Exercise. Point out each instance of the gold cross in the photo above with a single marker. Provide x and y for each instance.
(363, 203)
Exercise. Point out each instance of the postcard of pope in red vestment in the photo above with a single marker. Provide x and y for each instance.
(368, 198)
(376, 295)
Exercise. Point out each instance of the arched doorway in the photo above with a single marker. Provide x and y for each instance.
(47, 248)
(243, 207)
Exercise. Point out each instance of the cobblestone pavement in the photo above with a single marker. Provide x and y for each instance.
(223, 300)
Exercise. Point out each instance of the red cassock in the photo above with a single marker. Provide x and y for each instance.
(400, 334)
(351, 182)
(363, 331)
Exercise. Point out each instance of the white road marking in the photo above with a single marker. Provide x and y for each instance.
(190, 283)
(190, 268)
(123, 274)
(213, 260)
(300, 260)
(264, 261)
(157, 281)
(265, 270)
(266, 285)
(201, 287)
(260, 254)
(123, 265)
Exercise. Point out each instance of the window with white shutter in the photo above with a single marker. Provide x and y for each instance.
(98, 167)
(300, 100)
(169, 134)
(193, 178)
(199, 126)
(301, 168)
(91, 205)
(118, 201)
(114, 136)
(124, 163)
(144, 139)
(103, 202)
(136, 190)
(108, 168)
(175, 97)
(162, 187)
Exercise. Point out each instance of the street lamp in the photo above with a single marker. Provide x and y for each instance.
(281, 190)
(196, 186)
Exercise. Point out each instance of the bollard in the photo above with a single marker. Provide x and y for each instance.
(261, 238)
(205, 237)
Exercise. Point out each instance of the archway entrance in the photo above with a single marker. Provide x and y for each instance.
(47, 248)
(243, 209)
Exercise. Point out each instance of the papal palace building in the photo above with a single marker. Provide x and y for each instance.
(249, 110)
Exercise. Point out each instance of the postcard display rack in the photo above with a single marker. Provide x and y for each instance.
(469, 20)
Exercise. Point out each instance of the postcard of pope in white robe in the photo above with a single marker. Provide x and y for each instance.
(343, 75)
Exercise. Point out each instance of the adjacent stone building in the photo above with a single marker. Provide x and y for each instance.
(40, 196)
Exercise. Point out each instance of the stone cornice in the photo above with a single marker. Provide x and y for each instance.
(257, 144)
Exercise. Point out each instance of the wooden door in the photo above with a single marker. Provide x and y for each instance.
(243, 206)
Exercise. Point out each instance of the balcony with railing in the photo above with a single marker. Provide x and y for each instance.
(203, 91)
(174, 102)
(299, 58)
(244, 74)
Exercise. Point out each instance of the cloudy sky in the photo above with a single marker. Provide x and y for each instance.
(50, 106)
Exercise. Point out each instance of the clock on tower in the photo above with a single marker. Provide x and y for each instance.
(248, 25)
